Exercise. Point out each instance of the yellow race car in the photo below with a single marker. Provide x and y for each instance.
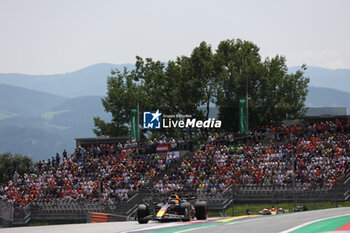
(273, 211)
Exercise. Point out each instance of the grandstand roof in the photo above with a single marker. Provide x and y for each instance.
(101, 140)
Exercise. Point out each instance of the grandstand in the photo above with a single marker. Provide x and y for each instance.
(306, 162)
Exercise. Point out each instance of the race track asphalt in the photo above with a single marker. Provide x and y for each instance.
(273, 224)
(270, 224)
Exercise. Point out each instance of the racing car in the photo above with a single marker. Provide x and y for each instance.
(175, 209)
(273, 211)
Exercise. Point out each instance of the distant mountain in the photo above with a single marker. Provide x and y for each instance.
(34, 142)
(320, 77)
(76, 116)
(58, 119)
(327, 97)
(90, 81)
(25, 102)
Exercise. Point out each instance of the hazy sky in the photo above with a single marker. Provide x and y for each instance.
(48, 36)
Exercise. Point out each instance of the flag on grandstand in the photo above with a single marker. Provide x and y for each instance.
(162, 148)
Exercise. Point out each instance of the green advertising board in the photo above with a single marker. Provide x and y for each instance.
(134, 125)
(243, 116)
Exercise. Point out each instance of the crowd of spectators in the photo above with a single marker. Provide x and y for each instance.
(270, 133)
(93, 173)
(151, 142)
(148, 147)
(319, 153)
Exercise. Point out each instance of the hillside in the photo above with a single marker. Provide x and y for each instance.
(25, 102)
(76, 115)
(320, 77)
(89, 81)
(37, 143)
(327, 97)
(58, 119)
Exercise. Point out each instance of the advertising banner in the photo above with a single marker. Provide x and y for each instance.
(243, 116)
(134, 125)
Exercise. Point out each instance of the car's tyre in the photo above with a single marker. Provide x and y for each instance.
(201, 208)
(185, 209)
(142, 212)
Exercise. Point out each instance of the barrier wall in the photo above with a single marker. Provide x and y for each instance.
(102, 217)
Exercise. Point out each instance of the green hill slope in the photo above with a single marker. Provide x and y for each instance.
(25, 102)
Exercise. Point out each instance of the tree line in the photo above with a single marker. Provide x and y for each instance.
(192, 84)
(9, 164)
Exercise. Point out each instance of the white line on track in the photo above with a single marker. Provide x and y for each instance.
(153, 227)
(308, 223)
(169, 225)
(263, 218)
(235, 222)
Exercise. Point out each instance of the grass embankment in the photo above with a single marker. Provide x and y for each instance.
(254, 208)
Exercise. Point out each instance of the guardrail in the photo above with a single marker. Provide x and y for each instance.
(131, 213)
(133, 197)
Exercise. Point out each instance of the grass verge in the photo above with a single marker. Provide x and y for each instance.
(254, 208)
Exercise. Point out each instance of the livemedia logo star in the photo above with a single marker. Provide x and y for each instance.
(151, 120)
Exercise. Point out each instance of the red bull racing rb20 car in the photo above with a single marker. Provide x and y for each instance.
(175, 209)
